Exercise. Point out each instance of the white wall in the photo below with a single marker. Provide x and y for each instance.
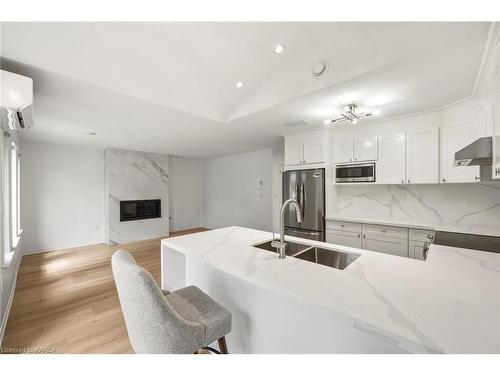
(238, 190)
(186, 190)
(62, 189)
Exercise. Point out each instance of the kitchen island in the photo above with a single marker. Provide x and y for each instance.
(449, 303)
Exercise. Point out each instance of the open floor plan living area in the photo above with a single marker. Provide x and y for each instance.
(249, 188)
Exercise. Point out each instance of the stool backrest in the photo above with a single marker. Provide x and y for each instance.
(153, 325)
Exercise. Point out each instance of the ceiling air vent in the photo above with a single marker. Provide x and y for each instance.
(320, 68)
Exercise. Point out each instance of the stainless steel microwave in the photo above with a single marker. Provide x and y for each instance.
(355, 173)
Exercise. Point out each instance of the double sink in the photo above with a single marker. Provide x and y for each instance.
(314, 254)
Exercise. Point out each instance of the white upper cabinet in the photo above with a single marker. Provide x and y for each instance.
(496, 126)
(343, 149)
(391, 166)
(294, 150)
(455, 137)
(422, 157)
(305, 148)
(348, 149)
(365, 149)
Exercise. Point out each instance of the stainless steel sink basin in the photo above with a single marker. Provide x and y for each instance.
(292, 248)
(325, 257)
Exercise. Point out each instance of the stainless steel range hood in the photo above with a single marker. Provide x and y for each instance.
(478, 152)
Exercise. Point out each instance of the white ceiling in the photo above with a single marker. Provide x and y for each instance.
(170, 87)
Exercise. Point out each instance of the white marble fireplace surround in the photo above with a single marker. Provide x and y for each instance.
(468, 208)
(134, 175)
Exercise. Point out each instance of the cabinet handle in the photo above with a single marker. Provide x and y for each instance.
(350, 159)
(497, 171)
(476, 178)
(364, 235)
(402, 181)
(359, 235)
(444, 179)
(383, 231)
(408, 181)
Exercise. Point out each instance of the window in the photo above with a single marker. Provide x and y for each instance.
(15, 217)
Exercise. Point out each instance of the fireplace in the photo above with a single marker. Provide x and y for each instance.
(140, 209)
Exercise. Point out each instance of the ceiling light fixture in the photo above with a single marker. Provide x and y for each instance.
(350, 114)
(377, 112)
(239, 84)
(278, 49)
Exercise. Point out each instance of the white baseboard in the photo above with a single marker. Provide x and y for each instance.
(5, 317)
(72, 248)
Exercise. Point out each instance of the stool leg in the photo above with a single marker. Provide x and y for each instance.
(222, 345)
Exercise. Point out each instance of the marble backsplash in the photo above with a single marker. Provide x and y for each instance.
(134, 175)
(473, 207)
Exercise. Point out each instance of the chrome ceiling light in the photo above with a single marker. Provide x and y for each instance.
(350, 114)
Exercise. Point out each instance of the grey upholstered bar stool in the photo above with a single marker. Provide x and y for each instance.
(157, 321)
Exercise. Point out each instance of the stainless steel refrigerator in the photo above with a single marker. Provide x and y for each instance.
(308, 188)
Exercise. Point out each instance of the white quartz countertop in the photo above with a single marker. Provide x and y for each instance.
(475, 229)
(449, 303)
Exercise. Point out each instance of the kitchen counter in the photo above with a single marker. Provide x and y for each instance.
(449, 303)
(483, 230)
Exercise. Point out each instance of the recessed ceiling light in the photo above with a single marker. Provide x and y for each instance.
(354, 121)
(88, 132)
(327, 122)
(376, 112)
(239, 84)
(279, 48)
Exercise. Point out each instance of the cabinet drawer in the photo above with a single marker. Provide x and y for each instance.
(387, 246)
(385, 231)
(343, 226)
(338, 237)
(423, 235)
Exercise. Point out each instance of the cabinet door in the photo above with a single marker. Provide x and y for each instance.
(343, 150)
(418, 250)
(387, 246)
(314, 151)
(365, 149)
(294, 151)
(422, 158)
(455, 137)
(496, 127)
(391, 164)
(343, 238)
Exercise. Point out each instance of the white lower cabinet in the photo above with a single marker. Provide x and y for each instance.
(381, 238)
(417, 249)
(419, 242)
(343, 238)
(392, 246)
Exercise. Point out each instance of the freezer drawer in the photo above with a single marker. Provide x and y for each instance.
(310, 235)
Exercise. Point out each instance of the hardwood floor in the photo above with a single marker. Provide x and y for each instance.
(67, 299)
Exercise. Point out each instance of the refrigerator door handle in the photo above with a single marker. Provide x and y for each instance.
(302, 200)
